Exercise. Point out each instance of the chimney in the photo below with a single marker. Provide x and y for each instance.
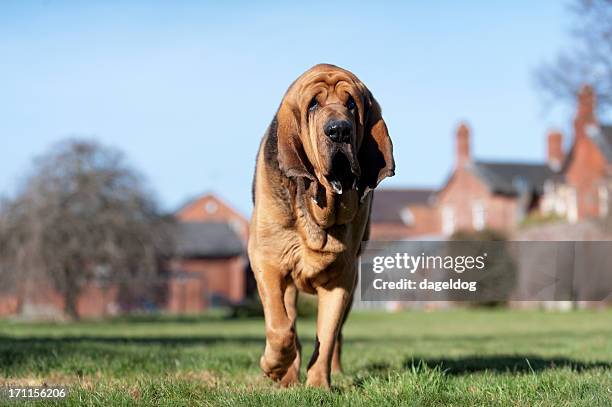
(555, 150)
(463, 145)
(585, 115)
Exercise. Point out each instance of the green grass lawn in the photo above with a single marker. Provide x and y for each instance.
(461, 357)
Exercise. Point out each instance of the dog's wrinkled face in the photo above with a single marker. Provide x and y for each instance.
(331, 131)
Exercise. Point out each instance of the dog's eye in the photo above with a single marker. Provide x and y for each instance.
(313, 104)
(350, 103)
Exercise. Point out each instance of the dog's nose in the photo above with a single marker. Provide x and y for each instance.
(338, 131)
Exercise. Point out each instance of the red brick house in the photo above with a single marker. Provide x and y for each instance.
(583, 190)
(209, 266)
(487, 194)
(403, 213)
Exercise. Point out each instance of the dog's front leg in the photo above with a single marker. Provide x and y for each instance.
(332, 304)
(281, 347)
(293, 373)
(336, 365)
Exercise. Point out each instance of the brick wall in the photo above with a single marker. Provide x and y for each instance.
(186, 294)
(41, 299)
(8, 304)
(586, 173)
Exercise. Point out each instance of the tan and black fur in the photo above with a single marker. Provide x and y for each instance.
(325, 150)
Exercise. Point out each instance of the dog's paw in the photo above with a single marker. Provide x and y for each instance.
(318, 379)
(275, 364)
(275, 369)
(279, 355)
(291, 378)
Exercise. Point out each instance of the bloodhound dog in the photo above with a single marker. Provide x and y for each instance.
(325, 150)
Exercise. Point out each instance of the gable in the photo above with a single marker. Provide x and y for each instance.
(462, 182)
(601, 141)
(205, 208)
(586, 164)
(211, 208)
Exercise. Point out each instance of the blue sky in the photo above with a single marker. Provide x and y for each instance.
(186, 89)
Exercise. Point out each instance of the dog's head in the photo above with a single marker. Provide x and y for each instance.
(330, 130)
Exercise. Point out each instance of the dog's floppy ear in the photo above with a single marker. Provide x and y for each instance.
(292, 159)
(376, 151)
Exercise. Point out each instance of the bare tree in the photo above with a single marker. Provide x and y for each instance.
(587, 61)
(7, 277)
(83, 214)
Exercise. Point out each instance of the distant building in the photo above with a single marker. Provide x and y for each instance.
(500, 195)
(489, 194)
(477, 195)
(209, 266)
(583, 190)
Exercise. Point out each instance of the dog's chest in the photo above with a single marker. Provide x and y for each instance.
(310, 268)
(313, 269)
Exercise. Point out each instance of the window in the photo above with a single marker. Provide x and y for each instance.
(572, 206)
(448, 220)
(407, 217)
(604, 204)
(210, 207)
(478, 215)
(549, 198)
